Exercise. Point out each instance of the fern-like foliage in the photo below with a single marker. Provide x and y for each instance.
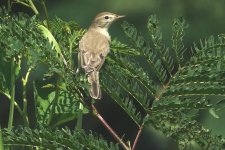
(32, 45)
(44, 138)
(25, 42)
(153, 83)
(178, 89)
(54, 112)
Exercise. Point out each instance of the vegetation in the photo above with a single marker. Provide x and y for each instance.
(163, 86)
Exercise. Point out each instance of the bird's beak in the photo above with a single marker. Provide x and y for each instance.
(121, 16)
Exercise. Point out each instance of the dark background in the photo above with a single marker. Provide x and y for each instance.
(205, 18)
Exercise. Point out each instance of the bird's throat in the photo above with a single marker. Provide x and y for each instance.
(104, 31)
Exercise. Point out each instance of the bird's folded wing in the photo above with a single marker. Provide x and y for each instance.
(93, 49)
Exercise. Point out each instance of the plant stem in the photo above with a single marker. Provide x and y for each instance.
(32, 6)
(1, 140)
(12, 94)
(46, 13)
(54, 102)
(9, 5)
(80, 117)
(105, 124)
(25, 80)
(71, 52)
(15, 103)
(35, 101)
(137, 137)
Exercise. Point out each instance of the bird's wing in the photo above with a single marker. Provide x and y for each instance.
(93, 49)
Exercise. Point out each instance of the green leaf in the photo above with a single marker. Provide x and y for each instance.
(179, 25)
(220, 104)
(156, 37)
(149, 55)
(123, 101)
(62, 111)
(45, 138)
(61, 118)
(153, 83)
(47, 34)
(213, 113)
(17, 70)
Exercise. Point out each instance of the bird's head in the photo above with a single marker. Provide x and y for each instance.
(105, 19)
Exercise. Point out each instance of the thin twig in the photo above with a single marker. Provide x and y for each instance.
(137, 137)
(32, 6)
(15, 103)
(24, 81)
(1, 139)
(106, 125)
(9, 5)
(46, 13)
(12, 94)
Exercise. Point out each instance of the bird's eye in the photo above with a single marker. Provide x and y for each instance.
(106, 17)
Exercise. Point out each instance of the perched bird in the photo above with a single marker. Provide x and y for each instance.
(94, 47)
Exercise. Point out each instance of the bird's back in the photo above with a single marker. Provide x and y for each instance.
(95, 42)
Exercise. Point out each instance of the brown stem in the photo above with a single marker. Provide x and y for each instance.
(106, 125)
(137, 137)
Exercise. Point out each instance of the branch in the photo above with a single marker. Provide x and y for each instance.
(137, 137)
(106, 125)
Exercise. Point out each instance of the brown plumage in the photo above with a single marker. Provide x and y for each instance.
(94, 47)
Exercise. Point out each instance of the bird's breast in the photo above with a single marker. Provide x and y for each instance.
(105, 33)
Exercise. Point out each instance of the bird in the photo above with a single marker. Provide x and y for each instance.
(94, 46)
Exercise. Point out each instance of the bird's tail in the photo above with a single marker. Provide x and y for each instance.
(94, 89)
